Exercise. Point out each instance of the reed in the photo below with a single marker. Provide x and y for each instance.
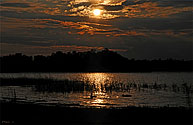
(55, 85)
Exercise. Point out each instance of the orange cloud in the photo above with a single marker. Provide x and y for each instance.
(130, 33)
(152, 10)
(74, 48)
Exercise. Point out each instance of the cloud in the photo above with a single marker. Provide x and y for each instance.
(46, 50)
(67, 48)
(113, 8)
(127, 8)
(146, 28)
(176, 3)
(22, 5)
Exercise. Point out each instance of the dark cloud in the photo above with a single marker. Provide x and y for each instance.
(22, 5)
(30, 15)
(113, 8)
(175, 3)
(128, 2)
(87, 4)
(147, 24)
(25, 40)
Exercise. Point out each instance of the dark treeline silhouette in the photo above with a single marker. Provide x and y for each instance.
(90, 61)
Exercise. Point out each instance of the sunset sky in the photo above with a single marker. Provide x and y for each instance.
(141, 29)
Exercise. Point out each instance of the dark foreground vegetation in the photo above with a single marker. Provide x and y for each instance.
(26, 114)
(91, 61)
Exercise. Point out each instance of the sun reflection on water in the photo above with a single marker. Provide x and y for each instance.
(97, 97)
(97, 78)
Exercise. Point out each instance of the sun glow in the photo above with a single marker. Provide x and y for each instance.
(97, 12)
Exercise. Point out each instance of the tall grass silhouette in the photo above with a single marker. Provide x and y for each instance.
(55, 85)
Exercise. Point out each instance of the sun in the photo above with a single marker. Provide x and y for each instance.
(97, 12)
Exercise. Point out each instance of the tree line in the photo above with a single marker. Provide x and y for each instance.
(90, 61)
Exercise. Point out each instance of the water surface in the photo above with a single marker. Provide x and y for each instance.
(140, 96)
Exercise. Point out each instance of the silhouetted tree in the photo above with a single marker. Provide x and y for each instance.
(90, 61)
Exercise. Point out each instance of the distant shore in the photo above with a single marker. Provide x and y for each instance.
(26, 113)
(90, 61)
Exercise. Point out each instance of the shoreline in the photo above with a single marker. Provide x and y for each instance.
(18, 113)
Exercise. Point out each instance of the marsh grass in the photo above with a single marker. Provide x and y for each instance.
(55, 85)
